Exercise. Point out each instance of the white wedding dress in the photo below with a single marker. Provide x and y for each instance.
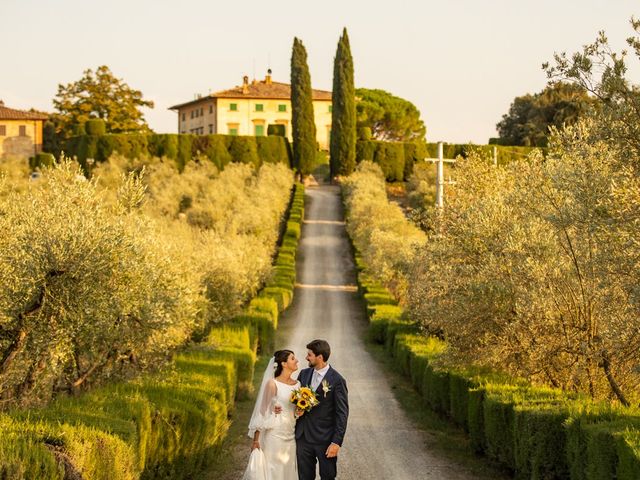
(277, 458)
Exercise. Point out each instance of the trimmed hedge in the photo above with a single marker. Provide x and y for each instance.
(220, 149)
(535, 432)
(272, 149)
(165, 426)
(263, 311)
(275, 129)
(396, 159)
(506, 154)
(41, 160)
(95, 126)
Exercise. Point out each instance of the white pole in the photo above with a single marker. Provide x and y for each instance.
(440, 178)
(495, 156)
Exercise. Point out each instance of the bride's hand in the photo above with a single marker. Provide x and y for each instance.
(256, 444)
(299, 412)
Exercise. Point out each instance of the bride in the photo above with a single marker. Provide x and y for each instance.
(273, 453)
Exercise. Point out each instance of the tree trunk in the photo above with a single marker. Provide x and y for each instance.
(83, 378)
(9, 356)
(20, 334)
(615, 388)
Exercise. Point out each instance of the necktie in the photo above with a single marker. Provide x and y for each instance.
(316, 380)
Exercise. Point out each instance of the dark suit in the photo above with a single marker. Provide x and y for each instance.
(325, 424)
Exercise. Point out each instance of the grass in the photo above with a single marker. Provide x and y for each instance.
(232, 459)
(444, 437)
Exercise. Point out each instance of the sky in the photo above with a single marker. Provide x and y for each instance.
(461, 62)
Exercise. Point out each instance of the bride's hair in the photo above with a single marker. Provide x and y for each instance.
(279, 357)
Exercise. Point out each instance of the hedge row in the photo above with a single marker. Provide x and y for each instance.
(279, 288)
(534, 432)
(396, 159)
(220, 149)
(165, 426)
(506, 154)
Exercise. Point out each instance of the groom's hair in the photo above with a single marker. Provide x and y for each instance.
(320, 347)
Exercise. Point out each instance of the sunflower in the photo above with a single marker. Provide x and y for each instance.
(302, 404)
(294, 397)
(306, 391)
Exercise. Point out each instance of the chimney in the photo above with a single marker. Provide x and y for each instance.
(267, 79)
(1, 103)
(245, 84)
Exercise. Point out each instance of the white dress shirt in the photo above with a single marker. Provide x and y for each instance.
(317, 377)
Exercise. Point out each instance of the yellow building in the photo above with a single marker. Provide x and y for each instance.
(20, 132)
(249, 109)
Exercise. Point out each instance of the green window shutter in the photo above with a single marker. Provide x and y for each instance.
(233, 107)
(233, 131)
(259, 107)
(282, 108)
(259, 130)
(330, 108)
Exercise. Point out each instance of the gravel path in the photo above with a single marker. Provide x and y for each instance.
(380, 442)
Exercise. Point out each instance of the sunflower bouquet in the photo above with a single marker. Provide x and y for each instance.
(304, 399)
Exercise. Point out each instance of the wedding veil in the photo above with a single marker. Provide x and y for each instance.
(257, 418)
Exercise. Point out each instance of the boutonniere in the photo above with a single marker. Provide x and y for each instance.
(326, 388)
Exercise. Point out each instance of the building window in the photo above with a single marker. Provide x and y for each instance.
(210, 128)
(259, 107)
(210, 108)
(3, 130)
(192, 112)
(23, 130)
(282, 108)
(330, 108)
(183, 116)
(233, 107)
(259, 130)
(233, 130)
(201, 112)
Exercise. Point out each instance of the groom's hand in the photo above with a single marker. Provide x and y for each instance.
(333, 450)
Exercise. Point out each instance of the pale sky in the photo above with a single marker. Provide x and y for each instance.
(461, 62)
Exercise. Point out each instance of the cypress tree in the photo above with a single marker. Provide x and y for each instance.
(343, 118)
(302, 121)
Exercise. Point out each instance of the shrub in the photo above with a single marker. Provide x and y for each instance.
(163, 145)
(388, 244)
(365, 150)
(185, 147)
(244, 150)
(77, 246)
(95, 126)
(272, 150)
(383, 316)
(22, 455)
(276, 130)
(214, 147)
(390, 157)
(41, 159)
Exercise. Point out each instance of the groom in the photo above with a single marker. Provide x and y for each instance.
(319, 433)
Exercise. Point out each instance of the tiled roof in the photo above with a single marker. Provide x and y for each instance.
(12, 114)
(262, 89)
(258, 89)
